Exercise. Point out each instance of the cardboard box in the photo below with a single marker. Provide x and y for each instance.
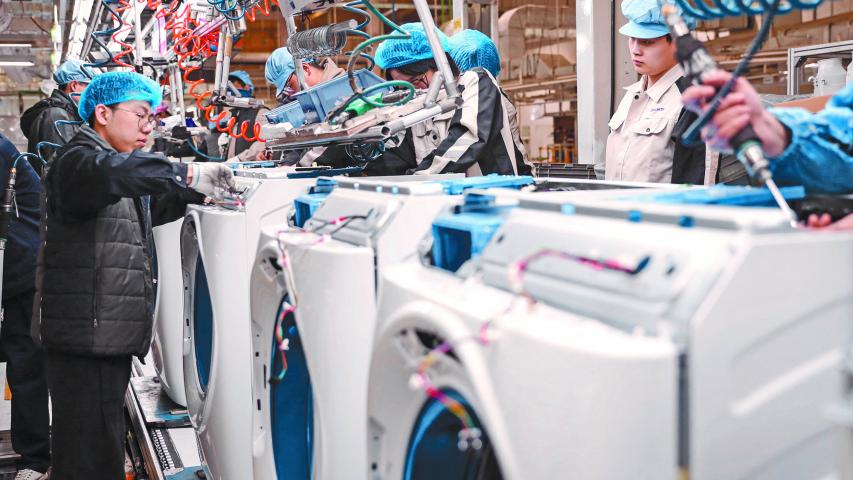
(842, 6)
(814, 104)
(735, 23)
(789, 20)
(824, 10)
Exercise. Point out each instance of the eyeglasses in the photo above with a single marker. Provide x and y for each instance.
(144, 120)
(415, 79)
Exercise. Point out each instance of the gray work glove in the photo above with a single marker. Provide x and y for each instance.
(212, 179)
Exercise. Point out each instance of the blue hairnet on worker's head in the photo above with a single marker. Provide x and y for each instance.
(646, 21)
(280, 66)
(243, 76)
(472, 48)
(396, 53)
(115, 87)
(71, 70)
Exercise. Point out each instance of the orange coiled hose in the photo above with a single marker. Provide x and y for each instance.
(263, 7)
(187, 45)
(126, 48)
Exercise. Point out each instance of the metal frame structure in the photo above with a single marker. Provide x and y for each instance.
(379, 124)
(798, 56)
(460, 15)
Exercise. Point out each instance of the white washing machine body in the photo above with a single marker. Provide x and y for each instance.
(218, 244)
(293, 409)
(362, 227)
(167, 339)
(664, 336)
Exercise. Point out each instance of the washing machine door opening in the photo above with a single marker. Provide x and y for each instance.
(291, 403)
(433, 450)
(202, 325)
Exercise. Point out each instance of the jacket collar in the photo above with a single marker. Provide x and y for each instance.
(64, 97)
(330, 70)
(86, 135)
(660, 87)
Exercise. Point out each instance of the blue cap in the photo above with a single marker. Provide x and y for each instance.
(243, 76)
(71, 70)
(472, 48)
(280, 66)
(396, 53)
(645, 20)
(115, 87)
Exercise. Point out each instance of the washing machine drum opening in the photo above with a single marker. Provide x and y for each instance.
(202, 325)
(291, 415)
(433, 447)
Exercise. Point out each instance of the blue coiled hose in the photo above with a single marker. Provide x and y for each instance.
(105, 33)
(711, 9)
(27, 155)
(701, 10)
(229, 7)
(41, 145)
(57, 123)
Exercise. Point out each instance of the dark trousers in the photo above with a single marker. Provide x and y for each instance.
(25, 371)
(87, 394)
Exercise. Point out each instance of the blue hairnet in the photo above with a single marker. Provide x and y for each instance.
(645, 19)
(243, 76)
(279, 67)
(71, 70)
(116, 87)
(399, 53)
(472, 48)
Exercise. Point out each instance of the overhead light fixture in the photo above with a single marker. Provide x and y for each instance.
(16, 45)
(16, 64)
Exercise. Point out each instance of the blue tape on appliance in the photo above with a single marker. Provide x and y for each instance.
(720, 195)
(458, 186)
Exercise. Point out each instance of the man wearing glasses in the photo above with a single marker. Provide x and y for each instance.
(38, 123)
(94, 290)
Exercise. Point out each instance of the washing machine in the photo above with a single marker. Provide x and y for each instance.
(332, 267)
(287, 411)
(218, 244)
(167, 339)
(615, 339)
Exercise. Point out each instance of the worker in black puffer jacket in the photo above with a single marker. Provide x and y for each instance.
(38, 123)
(94, 289)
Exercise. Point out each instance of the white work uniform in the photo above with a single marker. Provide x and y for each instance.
(640, 146)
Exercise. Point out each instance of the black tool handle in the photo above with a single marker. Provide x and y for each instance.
(7, 205)
(695, 61)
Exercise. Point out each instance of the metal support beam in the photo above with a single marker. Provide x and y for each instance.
(487, 9)
(595, 85)
(460, 14)
(297, 62)
(494, 14)
(434, 43)
(139, 40)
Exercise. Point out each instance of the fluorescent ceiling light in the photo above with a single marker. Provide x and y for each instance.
(16, 45)
(16, 64)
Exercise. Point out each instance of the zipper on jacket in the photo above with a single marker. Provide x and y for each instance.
(95, 298)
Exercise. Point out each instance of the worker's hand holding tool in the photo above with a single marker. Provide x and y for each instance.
(212, 179)
(740, 108)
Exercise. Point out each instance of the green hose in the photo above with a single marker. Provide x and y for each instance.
(358, 93)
